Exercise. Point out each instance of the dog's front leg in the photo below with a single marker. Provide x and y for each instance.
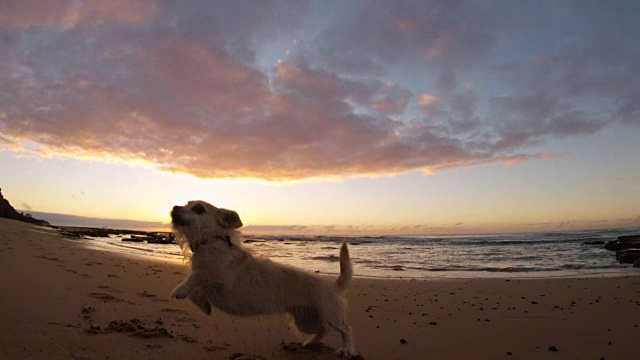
(188, 285)
(199, 298)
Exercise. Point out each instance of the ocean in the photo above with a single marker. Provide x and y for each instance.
(532, 255)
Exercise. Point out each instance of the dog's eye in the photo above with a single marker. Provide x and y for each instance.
(198, 209)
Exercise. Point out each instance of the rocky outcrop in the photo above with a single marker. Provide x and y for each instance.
(127, 235)
(624, 243)
(7, 211)
(629, 256)
(627, 249)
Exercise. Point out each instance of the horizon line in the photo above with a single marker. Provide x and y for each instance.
(58, 219)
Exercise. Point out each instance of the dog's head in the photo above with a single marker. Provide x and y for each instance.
(198, 222)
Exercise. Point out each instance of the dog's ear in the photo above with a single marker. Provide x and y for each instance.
(230, 219)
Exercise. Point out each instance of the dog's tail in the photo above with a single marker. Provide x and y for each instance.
(346, 271)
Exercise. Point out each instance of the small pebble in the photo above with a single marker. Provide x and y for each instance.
(403, 341)
(553, 348)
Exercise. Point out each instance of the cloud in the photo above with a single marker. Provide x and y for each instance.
(547, 156)
(66, 14)
(188, 86)
(427, 99)
(82, 221)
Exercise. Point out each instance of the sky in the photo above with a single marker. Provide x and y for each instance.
(350, 117)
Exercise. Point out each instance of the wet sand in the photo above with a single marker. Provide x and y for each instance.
(63, 301)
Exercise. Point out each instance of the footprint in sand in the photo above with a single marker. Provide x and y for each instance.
(50, 258)
(174, 311)
(242, 356)
(86, 311)
(134, 328)
(107, 287)
(151, 297)
(188, 339)
(146, 294)
(307, 349)
(181, 316)
(213, 348)
(107, 298)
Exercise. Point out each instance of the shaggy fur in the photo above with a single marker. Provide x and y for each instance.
(230, 278)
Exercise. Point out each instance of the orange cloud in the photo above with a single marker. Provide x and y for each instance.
(547, 156)
(427, 99)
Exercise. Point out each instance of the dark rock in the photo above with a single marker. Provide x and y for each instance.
(70, 234)
(403, 341)
(628, 256)
(133, 239)
(161, 238)
(7, 211)
(553, 348)
(623, 243)
(134, 235)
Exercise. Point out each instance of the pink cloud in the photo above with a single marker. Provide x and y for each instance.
(407, 25)
(186, 88)
(442, 46)
(67, 13)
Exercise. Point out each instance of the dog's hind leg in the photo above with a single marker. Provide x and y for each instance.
(317, 339)
(347, 349)
(199, 298)
(188, 285)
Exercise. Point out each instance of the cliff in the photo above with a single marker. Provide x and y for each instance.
(7, 211)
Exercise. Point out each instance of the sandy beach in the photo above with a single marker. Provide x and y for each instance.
(63, 301)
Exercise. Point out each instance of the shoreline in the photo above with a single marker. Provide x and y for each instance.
(168, 251)
(67, 301)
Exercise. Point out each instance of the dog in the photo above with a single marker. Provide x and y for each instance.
(230, 278)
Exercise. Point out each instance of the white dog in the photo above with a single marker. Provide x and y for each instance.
(229, 277)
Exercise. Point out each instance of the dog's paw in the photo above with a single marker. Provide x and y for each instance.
(180, 292)
(202, 305)
(346, 352)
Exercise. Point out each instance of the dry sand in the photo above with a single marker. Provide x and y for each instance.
(62, 301)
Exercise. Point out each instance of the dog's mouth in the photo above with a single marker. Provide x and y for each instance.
(178, 219)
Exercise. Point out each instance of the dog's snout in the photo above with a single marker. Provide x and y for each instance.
(176, 217)
(174, 211)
